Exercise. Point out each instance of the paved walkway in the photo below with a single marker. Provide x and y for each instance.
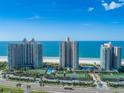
(100, 85)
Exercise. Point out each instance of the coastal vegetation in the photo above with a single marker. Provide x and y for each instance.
(57, 77)
(70, 75)
(113, 79)
(76, 78)
(3, 65)
(121, 69)
(84, 64)
(71, 83)
(51, 75)
(35, 73)
(51, 64)
(21, 79)
(115, 84)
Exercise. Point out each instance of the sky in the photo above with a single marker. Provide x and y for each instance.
(57, 19)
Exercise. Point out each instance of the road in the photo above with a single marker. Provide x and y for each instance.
(58, 89)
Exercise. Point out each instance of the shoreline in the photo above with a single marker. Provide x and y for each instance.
(56, 60)
(81, 60)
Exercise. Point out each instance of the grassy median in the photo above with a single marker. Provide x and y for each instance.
(5, 89)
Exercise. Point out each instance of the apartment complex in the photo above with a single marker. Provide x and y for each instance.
(25, 54)
(69, 56)
(110, 57)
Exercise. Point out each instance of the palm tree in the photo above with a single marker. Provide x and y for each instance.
(79, 82)
(58, 81)
(1, 90)
(64, 74)
(28, 88)
(18, 85)
(41, 81)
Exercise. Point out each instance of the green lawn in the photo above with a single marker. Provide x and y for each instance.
(81, 75)
(14, 90)
(7, 90)
(112, 75)
(32, 73)
(78, 75)
(39, 71)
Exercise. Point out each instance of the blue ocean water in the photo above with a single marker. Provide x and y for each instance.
(87, 49)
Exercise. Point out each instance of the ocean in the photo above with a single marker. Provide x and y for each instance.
(87, 49)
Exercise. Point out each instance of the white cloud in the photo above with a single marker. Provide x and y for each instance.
(102, 1)
(90, 9)
(121, 0)
(113, 5)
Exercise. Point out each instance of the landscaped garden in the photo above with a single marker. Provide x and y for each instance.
(27, 75)
(113, 79)
(70, 75)
(112, 76)
(37, 73)
(78, 75)
(65, 77)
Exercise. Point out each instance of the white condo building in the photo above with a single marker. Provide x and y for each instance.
(69, 57)
(25, 54)
(110, 57)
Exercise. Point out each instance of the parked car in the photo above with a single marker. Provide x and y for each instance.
(68, 88)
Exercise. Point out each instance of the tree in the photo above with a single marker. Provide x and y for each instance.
(1, 90)
(121, 69)
(41, 81)
(18, 85)
(28, 88)
(64, 74)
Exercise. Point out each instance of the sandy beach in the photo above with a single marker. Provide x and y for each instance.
(3, 58)
(56, 60)
(81, 60)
